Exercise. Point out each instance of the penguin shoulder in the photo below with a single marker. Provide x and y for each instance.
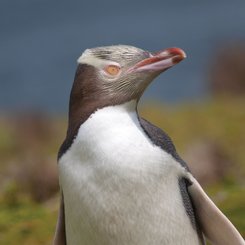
(161, 139)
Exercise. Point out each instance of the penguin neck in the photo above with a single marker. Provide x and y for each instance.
(80, 112)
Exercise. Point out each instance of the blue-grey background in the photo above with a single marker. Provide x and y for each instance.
(40, 41)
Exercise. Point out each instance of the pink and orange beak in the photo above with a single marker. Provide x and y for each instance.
(159, 61)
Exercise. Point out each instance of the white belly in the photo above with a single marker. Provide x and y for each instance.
(119, 188)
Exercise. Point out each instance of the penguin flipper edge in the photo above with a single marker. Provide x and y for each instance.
(214, 224)
(60, 236)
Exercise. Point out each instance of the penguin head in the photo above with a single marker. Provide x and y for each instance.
(113, 75)
(120, 73)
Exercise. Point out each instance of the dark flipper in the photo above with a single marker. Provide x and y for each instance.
(60, 234)
(189, 207)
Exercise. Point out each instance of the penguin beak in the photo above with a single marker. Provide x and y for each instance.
(159, 61)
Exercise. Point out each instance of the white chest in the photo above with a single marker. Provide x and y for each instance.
(119, 188)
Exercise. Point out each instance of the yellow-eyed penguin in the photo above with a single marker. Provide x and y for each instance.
(122, 181)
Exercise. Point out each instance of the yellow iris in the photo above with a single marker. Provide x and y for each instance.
(112, 70)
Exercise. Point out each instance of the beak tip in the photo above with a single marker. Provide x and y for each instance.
(184, 55)
(178, 54)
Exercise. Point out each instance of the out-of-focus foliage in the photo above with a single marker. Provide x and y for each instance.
(227, 75)
(26, 222)
(29, 145)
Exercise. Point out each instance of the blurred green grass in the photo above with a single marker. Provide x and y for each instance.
(27, 219)
(26, 223)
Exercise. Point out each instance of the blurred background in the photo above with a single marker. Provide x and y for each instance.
(200, 103)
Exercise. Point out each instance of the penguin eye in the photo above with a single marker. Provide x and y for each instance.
(112, 70)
